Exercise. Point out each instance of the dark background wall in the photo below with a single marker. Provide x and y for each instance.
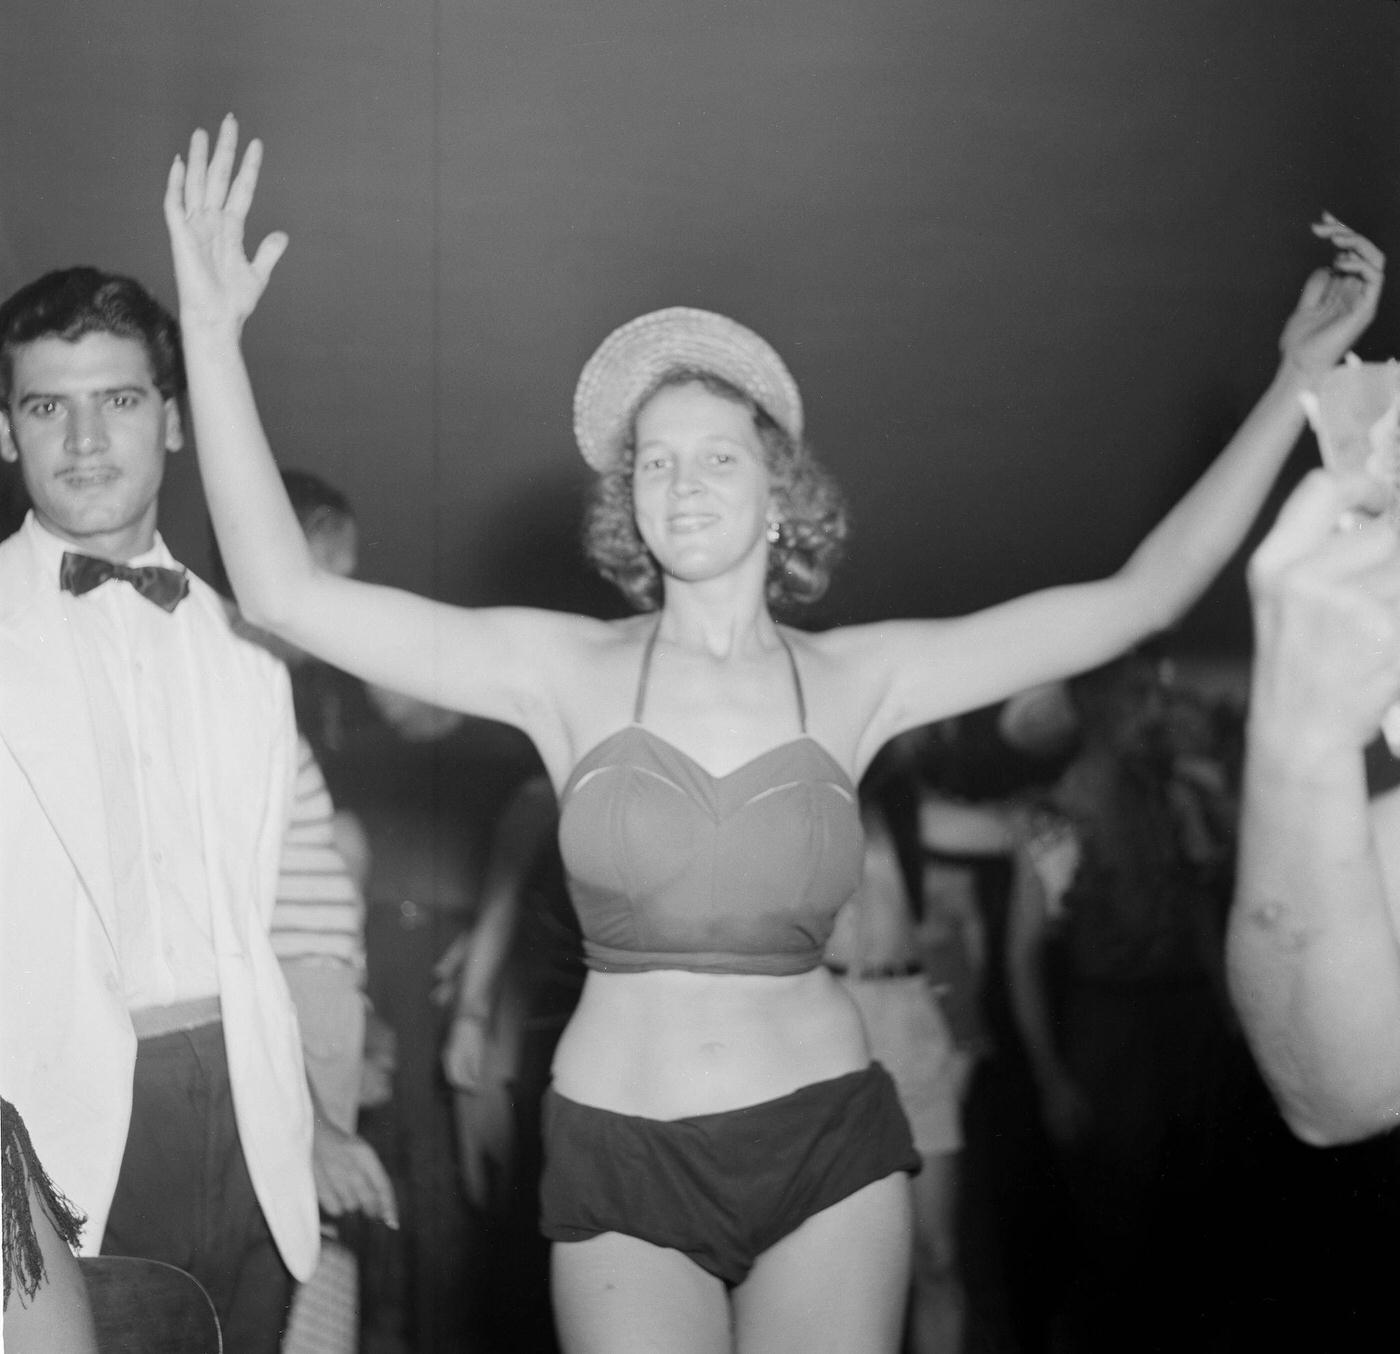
(1027, 261)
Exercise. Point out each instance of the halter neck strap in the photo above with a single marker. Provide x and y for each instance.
(640, 703)
(796, 682)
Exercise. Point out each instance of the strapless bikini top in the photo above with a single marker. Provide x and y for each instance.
(672, 867)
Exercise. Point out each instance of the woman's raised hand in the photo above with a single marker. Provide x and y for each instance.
(206, 206)
(1337, 302)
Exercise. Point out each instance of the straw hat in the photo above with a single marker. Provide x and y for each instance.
(632, 359)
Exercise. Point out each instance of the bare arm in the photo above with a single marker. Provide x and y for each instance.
(940, 668)
(524, 827)
(349, 1176)
(1314, 942)
(960, 829)
(484, 662)
(1062, 1105)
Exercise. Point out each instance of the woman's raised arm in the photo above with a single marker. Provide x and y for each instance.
(480, 661)
(937, 668)
(206, 207)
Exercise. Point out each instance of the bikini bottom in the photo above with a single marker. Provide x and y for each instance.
(720, 1188)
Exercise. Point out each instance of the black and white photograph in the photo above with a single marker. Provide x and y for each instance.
(710, 679)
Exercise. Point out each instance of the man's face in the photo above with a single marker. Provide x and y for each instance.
(90, 432)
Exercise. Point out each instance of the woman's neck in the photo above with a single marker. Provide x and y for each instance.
(717, 619)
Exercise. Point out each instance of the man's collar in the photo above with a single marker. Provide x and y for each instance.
(51, 549)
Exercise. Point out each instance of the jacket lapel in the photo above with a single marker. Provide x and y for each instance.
(46, 722)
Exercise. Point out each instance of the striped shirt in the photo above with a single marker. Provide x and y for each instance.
(319, 912)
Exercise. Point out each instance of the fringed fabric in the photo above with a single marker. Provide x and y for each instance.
(23, 1179)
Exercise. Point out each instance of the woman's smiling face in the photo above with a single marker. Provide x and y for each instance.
(700, 481)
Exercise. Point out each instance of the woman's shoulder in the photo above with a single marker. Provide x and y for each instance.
(825, 656)
(562, 637)
(866, 656)
(866, 638)
(605, 641)
(826, 646)
(576, 626)
(590, 655)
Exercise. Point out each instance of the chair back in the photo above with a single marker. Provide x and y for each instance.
(148, 1307)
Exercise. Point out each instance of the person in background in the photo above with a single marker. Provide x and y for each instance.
(317, 926)
(706, 1017)
(147, 756)
(402, 778)
(977, 770)
(882, 947)
(1115, 954)
(511, 982)
(318, 934)
(489, 979)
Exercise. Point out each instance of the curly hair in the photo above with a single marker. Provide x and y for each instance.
(71, 303)
(811, 511)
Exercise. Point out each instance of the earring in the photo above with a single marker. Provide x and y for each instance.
(774, 531)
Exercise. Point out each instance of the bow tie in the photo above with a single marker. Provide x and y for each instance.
(81, 573)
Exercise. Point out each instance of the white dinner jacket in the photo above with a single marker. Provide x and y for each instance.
(66, 1044)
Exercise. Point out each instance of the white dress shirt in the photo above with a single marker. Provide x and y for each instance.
(135, 660)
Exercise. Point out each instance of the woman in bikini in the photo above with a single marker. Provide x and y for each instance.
(726, 1168)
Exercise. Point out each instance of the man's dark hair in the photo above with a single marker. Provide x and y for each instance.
(71, 303)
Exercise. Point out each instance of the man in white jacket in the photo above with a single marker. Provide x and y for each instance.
(146, 757)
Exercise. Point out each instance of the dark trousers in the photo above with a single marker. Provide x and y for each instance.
(184, 1196)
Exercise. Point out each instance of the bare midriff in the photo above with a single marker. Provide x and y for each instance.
(669, 1044)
